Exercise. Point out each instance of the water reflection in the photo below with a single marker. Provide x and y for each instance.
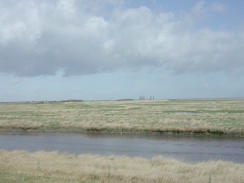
(191, 149)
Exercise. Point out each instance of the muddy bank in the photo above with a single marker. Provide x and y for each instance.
(190, 132)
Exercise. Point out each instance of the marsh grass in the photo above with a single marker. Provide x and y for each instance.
(13, 177)
(222, 117)
(20, 166)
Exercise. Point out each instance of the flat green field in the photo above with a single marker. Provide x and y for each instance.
(198, 117)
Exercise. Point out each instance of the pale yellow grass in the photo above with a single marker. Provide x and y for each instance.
(94, 168)
(173, 116)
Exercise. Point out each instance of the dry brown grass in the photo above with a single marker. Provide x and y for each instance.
(222, 117)
(55, 167)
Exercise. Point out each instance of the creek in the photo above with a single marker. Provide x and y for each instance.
(184, 148)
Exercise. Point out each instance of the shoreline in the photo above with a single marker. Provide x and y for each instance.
(166, 132)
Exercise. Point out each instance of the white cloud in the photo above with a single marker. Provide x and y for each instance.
(218, 7)
(42, 38)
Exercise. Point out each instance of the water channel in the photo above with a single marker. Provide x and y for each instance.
(184, 148)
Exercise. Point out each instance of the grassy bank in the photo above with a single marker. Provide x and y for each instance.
(19, 166)
(208, 117)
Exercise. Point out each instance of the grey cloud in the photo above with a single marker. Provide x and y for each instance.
(41, 38)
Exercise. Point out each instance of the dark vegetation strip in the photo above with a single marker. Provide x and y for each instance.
(173, 131)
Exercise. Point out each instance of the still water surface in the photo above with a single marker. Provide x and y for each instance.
(189, 149)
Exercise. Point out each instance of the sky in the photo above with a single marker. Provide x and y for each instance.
(121, 49)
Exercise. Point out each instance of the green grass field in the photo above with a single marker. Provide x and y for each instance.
(216, 117)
